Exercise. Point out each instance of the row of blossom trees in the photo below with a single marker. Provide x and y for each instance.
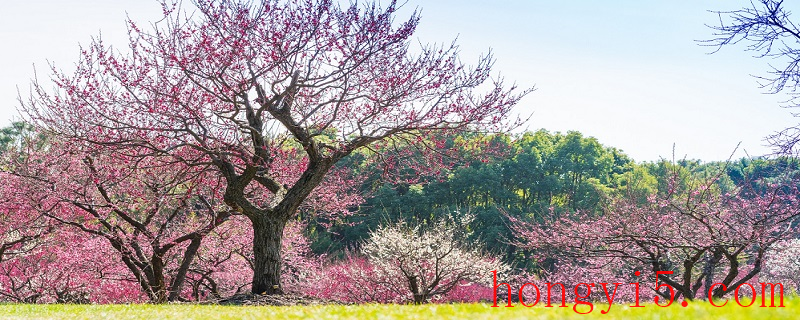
(693, 238)
(87, 227)
(80, 227)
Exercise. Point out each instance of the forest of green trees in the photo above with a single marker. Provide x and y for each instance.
(535, 175)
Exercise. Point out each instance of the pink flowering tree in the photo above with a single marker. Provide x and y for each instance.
(353, 279)
(241, 84)
(40, 261)
(154, 214)
(68, 267)
(700, 235)
(21, 230)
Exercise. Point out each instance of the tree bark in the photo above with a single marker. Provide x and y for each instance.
(158, 288)
(180, 277)
(712, 260)
(267, 262)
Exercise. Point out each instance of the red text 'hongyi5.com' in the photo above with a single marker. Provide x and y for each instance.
(582, 291)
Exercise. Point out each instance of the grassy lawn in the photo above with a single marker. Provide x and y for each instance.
(695, 310)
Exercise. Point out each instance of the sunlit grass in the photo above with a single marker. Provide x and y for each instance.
(695, 310)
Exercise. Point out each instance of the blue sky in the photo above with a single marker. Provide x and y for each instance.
(627, 72)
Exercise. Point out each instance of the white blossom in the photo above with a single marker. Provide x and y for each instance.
(428, 262)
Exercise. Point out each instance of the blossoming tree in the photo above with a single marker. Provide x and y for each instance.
(782, 263)
(418, 264)
(699, 236)
(20, 230)
(154, 215)
(241, 83)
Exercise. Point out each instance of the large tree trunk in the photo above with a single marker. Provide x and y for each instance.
(267, 236)
(158, 288)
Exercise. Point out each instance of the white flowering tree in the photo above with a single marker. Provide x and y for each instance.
(783, 263)
(427, 262)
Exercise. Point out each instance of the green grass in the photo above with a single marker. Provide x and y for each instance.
(695, 310)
